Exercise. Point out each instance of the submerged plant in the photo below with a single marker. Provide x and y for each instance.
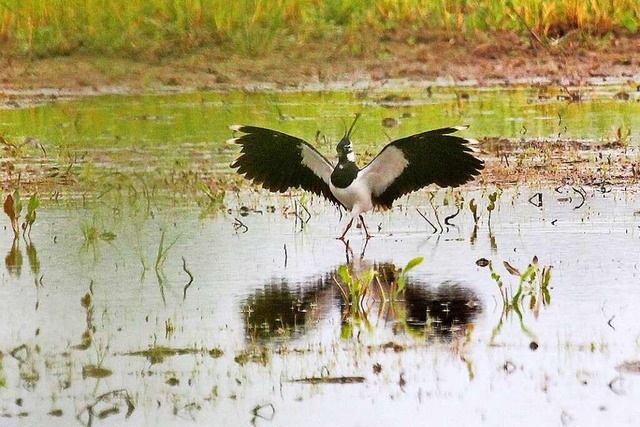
(163, 252)
(401, 284)
(492, 204)
(30, 218)
(157, 354)
(214, 196)
(92, 235)
(533, 285)
(161, 258)
(13, 209)
(356, 287)
(14, 259)
(474, 210)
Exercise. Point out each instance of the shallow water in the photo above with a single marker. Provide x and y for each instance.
(161, 121)
(88, 288)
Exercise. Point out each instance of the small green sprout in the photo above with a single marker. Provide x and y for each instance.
(402, 280)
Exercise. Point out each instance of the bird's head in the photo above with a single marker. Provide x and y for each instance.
(345, 148)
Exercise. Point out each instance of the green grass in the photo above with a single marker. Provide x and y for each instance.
(155, 28)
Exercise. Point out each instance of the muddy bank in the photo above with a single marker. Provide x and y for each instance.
(487, 60)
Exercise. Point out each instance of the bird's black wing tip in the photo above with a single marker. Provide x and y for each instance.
(448, 130)
(236, 140)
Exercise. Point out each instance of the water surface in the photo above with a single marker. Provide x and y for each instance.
(262, 333)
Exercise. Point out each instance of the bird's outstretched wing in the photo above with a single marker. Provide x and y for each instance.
(410, 163)
(279, 161)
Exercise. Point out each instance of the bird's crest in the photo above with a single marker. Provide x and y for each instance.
(355, 120)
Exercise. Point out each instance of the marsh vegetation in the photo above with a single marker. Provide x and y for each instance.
(156, 27)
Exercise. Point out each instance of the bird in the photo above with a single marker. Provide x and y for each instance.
(279, 161)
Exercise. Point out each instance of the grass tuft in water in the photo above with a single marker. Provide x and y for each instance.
(356, 288)
(161, 258)
(534, 284)
(95, 371)
(260, 355)
(163, 252)
(13, 209)
(157, 354)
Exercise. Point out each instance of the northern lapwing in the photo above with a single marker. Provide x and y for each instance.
(279, 161)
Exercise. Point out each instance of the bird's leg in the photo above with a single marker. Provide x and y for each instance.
(345, 230)
(366, 232)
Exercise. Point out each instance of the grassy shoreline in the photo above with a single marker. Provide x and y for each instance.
(153, 29)
(147, 45)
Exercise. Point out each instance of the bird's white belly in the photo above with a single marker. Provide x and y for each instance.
(356, 197)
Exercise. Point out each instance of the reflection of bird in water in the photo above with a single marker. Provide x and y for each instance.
(357, 264)
(279, 161)
(441, 311)
(281, 308)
